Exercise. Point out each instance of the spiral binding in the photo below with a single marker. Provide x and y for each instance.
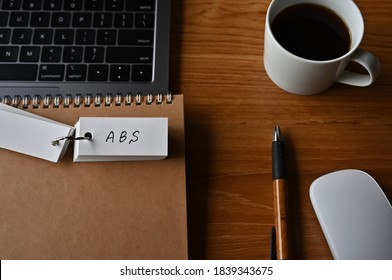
(89, 100)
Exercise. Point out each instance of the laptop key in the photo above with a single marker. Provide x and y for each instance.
(94, 54)
(64, 36)
(11, 4)
(103, 20)
(51, 54)
(129, 54)
(76, 72)
(9, 53)
(21, 36)
(40, 19)
(52, 5)
(51, 72)
(135, 37)
(29, 54)
(43, 36)
(114, 5)
(142, 73)
(73, 54)
(93, 5)
(106, 37)
(3, 18)
(85, 36)
(81, 20)
(61, 19)
(98, 72)
(123, 20)
(19, 19)
(141, 5)
(5, 35)
(145, 20)
(32, 4)
(18, 72)
(119, 73)
(73, 5)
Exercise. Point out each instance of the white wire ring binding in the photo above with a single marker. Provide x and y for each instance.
(87, 136)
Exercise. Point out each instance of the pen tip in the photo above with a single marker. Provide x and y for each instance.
(277, 134)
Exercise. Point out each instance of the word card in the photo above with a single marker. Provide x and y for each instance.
(119, 139)
(30, 134)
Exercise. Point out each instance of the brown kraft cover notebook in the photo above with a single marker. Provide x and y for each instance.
(100, 210)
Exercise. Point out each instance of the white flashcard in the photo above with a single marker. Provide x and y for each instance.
(119, 139)
(30, 134)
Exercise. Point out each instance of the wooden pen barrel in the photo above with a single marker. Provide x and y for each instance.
(280, 203)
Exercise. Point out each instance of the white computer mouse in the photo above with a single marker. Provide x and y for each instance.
(354, 214)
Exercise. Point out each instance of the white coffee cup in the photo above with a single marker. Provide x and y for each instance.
(306, 77)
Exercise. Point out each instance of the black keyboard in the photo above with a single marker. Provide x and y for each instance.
(77, 40)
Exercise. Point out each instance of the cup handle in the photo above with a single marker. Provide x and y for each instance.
(369, 62)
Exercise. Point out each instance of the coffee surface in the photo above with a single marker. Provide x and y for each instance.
(312, 32)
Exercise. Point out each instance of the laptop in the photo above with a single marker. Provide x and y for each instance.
(83, 47)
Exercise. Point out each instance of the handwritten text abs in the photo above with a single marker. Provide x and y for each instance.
(123, 137)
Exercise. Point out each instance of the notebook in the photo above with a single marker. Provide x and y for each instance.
(51, 47)
(96, 210)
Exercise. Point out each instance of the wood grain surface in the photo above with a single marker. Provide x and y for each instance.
(231, 109)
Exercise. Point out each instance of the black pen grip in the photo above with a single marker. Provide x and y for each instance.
(278, 160)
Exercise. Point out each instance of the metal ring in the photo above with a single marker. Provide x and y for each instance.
(57, 140)
(87, 136)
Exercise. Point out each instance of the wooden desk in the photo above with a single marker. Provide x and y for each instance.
(231, 108)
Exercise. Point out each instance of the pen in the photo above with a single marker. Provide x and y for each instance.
(279, 182)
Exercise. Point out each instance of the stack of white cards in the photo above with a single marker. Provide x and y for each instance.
(95, 139)
(30, 134)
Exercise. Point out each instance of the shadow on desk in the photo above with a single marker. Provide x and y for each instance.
(197, 164)
(294, 204)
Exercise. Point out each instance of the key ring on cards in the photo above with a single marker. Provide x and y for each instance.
(87, 136)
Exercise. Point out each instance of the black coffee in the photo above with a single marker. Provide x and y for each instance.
(312, 32)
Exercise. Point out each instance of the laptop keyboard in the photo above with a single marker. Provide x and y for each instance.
(77, 40)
